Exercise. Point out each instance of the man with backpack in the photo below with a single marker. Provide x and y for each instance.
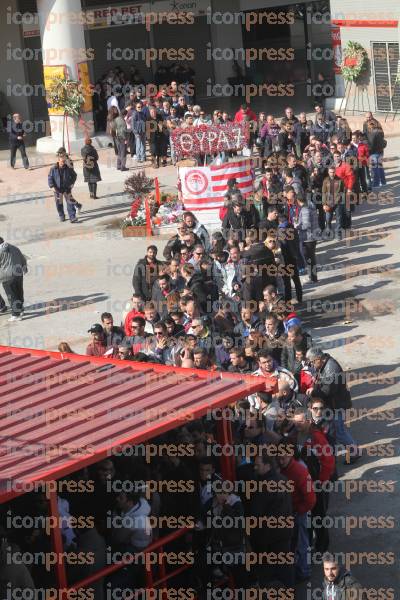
(330, 385)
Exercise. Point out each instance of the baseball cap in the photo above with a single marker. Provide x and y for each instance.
(96, 328)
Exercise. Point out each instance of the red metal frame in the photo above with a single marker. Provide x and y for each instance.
(224, 430)
(56, 540)
(252, 384)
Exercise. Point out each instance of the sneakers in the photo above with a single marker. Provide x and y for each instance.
(73, 220)
(14, 318)
(62, 219)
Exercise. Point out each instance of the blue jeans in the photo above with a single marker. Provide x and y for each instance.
(71, 205)
(343, 219)
(303, 568)
(328, 220)
(378, 173)
(343, 436)
(140, 146)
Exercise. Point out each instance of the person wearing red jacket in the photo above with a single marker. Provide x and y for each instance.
(97, 346)
(243, 111)
(304, 499)
(318, 455)
(363, 163)
(128, 320)
(304, 376)
(343, 209)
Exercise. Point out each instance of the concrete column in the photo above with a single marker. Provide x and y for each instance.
(63, 42)
(225, 35)
(13, 74)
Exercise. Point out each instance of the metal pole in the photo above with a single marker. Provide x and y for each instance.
(56, 539)
(343, 97)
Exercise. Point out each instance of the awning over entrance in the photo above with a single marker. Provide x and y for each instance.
(60, 413)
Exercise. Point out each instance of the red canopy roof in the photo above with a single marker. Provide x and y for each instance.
(61, 412)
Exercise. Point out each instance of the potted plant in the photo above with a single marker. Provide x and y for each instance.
(138, 186)
(67, 95)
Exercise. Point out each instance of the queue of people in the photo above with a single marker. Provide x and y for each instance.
(220, 304)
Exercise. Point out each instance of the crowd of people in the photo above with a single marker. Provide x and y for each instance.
(223, 302)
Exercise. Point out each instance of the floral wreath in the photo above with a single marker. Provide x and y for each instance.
(355, 61)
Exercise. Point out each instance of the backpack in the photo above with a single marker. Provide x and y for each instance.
(308, 456)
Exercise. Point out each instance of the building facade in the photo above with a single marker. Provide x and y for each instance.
(266, 51)
(376, 27)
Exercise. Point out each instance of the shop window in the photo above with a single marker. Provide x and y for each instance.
(386, 66)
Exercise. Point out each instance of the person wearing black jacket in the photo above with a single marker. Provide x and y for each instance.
(146, 272)
(318, 174)
(377, 144)
(240, 363)
(272, 501)
(339, 584)
(196, 284)
(321, 129)
(288, 241)
(239, 220)
(173, 248)
(286, 139)
(113, 335)
(16, 138)
(138, 121)
(299, 170)
(327, 115)
(301, 132)
(156, 136)
(91, 171)
(99, 108)
(61, 178)
(225, 525)
(259, 270)
(163, 293)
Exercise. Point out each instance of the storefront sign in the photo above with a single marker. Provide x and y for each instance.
(209, 139)
(84, 78)
(170, 12)
(337, 49)
(51, 72)
(165, 11)
(30, 30)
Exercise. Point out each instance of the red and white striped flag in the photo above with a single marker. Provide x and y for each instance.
(204, 187)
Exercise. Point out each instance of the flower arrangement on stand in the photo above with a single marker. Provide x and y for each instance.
(139, 187)
(170, 210)
(355, 62)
